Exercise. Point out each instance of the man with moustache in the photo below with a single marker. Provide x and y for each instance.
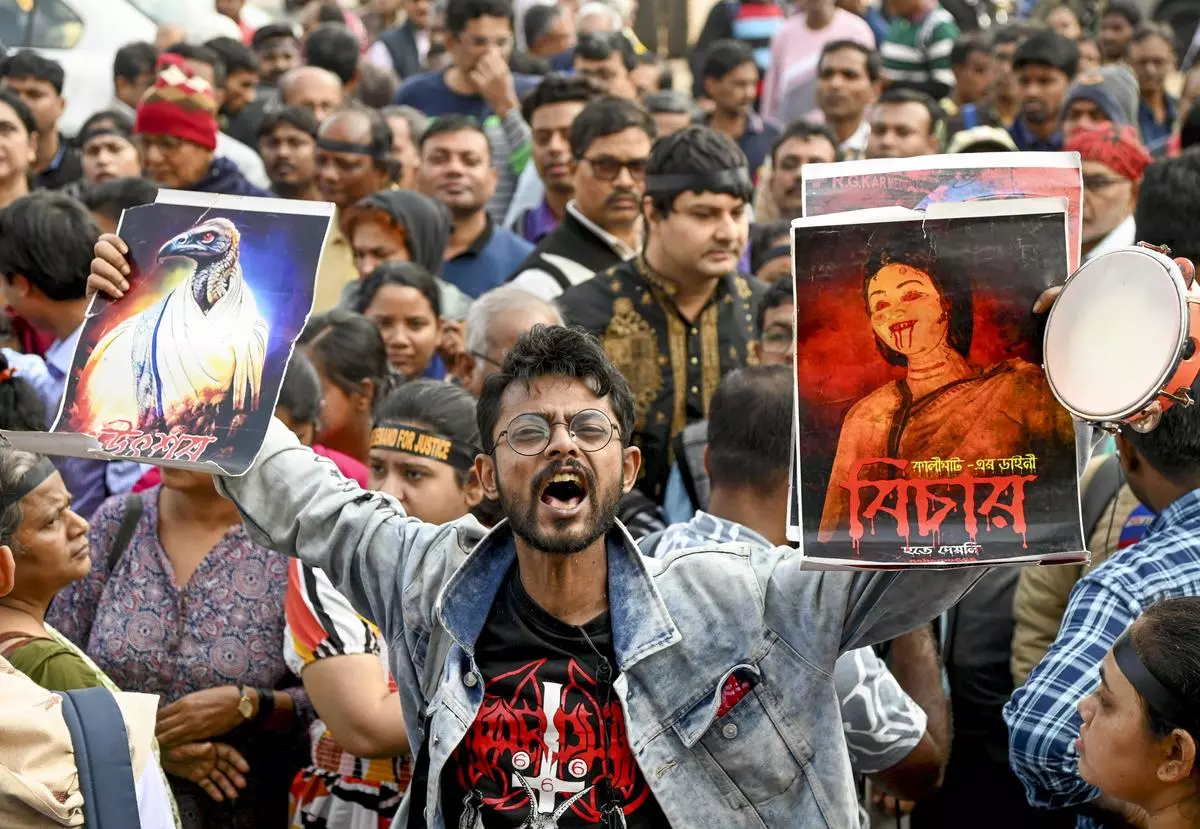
(353, 160)
(660, 673)
(678, 317)
(610, 145)
(904, 124)
(287, 141)
(802, 143)
(849, 80)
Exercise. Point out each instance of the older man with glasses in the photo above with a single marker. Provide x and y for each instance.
(610, 147)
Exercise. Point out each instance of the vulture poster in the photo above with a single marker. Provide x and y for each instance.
(185, 369)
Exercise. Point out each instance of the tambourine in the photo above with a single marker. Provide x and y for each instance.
(1121, 339)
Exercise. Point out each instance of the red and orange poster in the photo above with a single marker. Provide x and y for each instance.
(926, 431)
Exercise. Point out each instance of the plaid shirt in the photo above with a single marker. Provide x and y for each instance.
(1043, 722)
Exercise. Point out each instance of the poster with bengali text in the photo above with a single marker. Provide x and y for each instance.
(926, 432)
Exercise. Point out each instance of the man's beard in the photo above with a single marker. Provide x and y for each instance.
(600, 517)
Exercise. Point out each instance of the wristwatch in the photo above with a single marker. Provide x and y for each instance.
(245, 705)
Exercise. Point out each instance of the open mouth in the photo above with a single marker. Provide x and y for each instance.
(902, 333)
(565, 491)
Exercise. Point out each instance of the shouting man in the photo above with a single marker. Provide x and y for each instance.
(548, 667)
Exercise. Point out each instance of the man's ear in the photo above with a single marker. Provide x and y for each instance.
(8, 570)
(1131, 461)
(462, 368)
(485, 472)
(473, 489)
(706, 455)
(367, 392)
(649, 211)
(632, 464)
(21, 286)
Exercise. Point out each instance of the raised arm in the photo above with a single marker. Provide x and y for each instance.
(299, 504)
(824, 614)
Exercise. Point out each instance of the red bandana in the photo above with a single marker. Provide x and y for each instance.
(1116, 146)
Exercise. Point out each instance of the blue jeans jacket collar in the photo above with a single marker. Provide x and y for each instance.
(641, 624)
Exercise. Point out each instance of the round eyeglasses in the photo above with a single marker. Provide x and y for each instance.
(529, 434)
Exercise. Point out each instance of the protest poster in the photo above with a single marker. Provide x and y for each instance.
(919, 182)
(185, 369)
(927, 434)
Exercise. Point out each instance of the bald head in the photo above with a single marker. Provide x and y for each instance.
(313, 88)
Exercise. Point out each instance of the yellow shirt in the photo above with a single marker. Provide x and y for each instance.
(336, 271)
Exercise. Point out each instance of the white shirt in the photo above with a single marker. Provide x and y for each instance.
(153, 802)
(246, 159)
(1122, 236)
(855, 146)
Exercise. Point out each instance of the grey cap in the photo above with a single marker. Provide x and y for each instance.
(1113, 88)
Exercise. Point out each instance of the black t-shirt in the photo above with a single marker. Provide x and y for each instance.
(551, 718)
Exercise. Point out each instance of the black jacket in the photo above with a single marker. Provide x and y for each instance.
(401, 43)
(571, 240)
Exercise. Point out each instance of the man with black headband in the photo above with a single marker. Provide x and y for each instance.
(353, 161)
(1162, 467)
(549, 674)
(678, 317)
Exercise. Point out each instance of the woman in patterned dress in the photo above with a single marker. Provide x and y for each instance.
(192, 610)
(360, 767)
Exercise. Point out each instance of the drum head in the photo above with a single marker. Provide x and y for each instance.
(1114, 334)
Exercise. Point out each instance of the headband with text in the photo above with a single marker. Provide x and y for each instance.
(403, 438)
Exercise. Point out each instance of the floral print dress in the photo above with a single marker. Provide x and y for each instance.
(225, 626)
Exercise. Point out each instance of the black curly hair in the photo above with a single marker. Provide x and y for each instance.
(556, 351)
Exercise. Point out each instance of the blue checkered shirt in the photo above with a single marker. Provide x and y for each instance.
(1043, 722)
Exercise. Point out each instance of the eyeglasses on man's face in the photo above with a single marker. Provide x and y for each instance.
(529, 434)
(607, 168)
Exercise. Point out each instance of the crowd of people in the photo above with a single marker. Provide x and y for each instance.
(539, 223)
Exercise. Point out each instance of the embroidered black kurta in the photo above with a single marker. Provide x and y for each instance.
(672, 364)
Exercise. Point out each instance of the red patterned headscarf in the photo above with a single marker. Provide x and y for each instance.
(1116, 146)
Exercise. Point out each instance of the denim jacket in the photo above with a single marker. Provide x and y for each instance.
(680, 625)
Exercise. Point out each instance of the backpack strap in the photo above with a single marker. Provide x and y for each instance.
(102, 757)
(129, 522)
(970, 115)
(689, 448)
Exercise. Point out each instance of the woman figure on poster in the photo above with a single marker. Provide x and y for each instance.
(944, 407)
